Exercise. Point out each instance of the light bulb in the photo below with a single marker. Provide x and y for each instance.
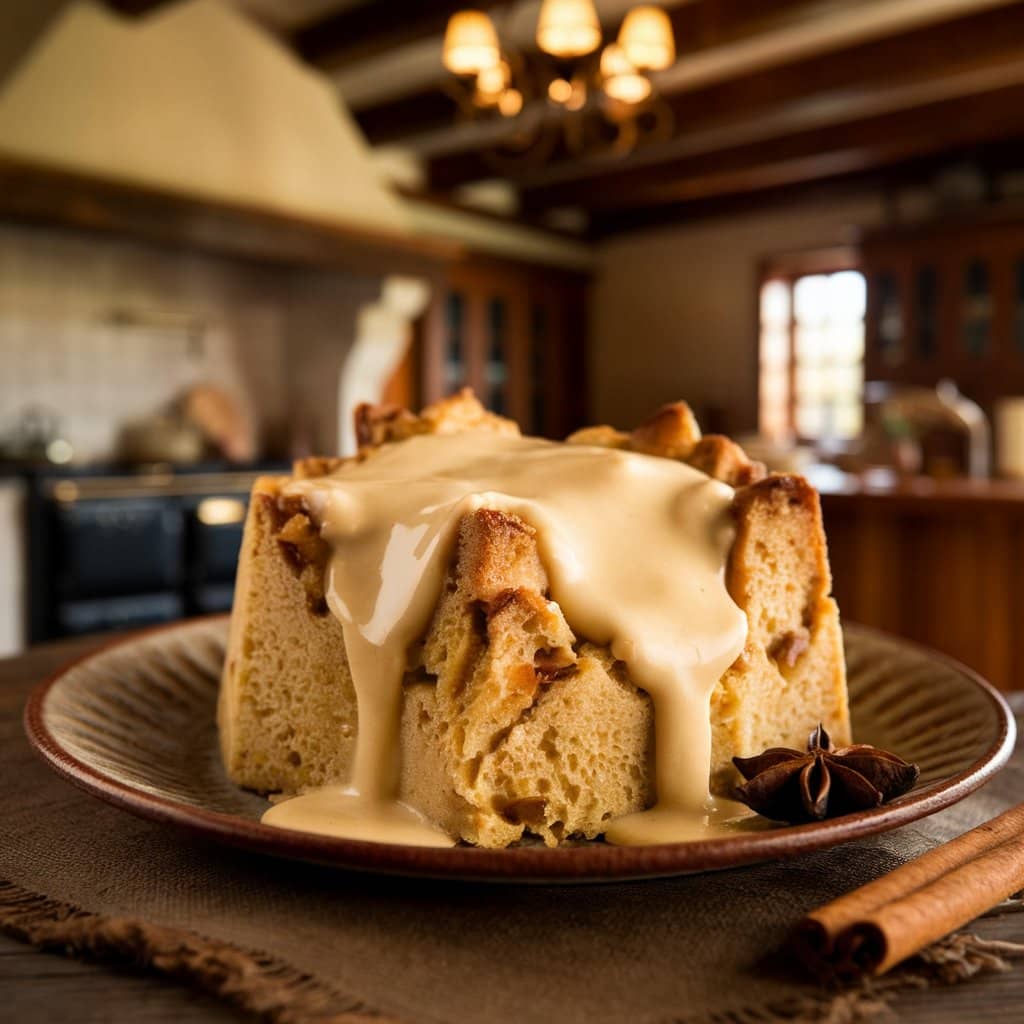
(634, 88)
(621, 80)
(470, 43)
(560, 91)
(510, 102)
(493, 80)
(568, 28)
(646, 38)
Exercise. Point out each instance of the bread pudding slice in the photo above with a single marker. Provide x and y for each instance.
(510, 723)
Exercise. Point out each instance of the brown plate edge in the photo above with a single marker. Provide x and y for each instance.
(577, 864)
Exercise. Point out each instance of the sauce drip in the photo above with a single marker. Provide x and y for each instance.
(635, 549)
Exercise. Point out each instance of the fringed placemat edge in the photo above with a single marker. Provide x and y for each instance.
(950, 961)
(275, 991)
(256, 983)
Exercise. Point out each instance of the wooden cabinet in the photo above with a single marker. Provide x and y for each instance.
(513, 333)
(937, 561)
(947, 300)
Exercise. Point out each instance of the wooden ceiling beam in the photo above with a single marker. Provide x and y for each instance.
(991, 157)
(135, 7)
(709, 23)
(842, 80)
(399, 118)
(870, 146)
(828, 128)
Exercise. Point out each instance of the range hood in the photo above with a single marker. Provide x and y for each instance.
(194, 99)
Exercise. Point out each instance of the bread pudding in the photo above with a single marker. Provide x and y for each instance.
(464, 634)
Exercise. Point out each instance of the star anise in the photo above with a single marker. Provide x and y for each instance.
(789, 785)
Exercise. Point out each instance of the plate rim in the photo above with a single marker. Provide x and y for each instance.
(597, 863)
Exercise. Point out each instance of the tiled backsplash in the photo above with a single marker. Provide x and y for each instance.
(97, 331)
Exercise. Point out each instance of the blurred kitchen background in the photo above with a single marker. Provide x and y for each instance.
(225, 222)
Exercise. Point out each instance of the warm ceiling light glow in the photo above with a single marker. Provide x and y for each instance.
(578, 98)
(615, 62)
(628, 88)
(621, 80)
(470, 43)
(568, 28)
(560, 91)
(220, 511)
(646, 37)
(492, 81)
(510, 102)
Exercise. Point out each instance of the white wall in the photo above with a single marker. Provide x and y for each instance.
(274, 338)
(673, 310)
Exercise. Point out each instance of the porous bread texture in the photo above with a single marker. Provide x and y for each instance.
(510, 724)
(287, 706)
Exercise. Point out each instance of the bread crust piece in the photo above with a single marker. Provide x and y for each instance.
(456, 414)
(510, 724)
(672, 433)
(287, 706)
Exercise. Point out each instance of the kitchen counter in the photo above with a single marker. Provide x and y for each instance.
(894, 491)
(115, 546)
(937, 561)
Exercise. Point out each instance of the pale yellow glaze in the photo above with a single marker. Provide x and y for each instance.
(338, 811)
(635, 549)
(667, 824)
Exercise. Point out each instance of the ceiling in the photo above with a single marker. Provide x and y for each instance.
(768, 97)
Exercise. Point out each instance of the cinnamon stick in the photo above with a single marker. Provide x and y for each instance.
(873, 928)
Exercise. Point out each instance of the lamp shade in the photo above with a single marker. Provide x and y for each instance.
(568, 28)
(647, 39)
(470, 43)
(620, 79)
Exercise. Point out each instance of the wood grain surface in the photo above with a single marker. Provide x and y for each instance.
(42, 987)
(935, 562)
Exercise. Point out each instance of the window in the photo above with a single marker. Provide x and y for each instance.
(812, 356)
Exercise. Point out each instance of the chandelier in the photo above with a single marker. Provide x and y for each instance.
(577, 91)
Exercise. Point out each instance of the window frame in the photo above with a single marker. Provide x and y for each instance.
(789, 268)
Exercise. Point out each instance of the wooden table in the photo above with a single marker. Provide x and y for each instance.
(43, 988)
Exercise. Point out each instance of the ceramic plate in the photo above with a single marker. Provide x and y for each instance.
(134, 725)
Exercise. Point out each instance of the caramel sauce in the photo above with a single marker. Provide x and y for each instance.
(634, 546)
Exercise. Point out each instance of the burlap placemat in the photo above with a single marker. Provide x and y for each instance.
(297, 943)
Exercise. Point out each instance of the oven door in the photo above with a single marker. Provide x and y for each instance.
(215, 525)
(118, 546)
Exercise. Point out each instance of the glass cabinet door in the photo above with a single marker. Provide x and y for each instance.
(976, 324)
(926, 310)
(495, 365)
(455, 343)
(540, 342)
(516, 337)
(890, 319)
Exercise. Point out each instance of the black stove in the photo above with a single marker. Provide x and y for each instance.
(111, 549)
